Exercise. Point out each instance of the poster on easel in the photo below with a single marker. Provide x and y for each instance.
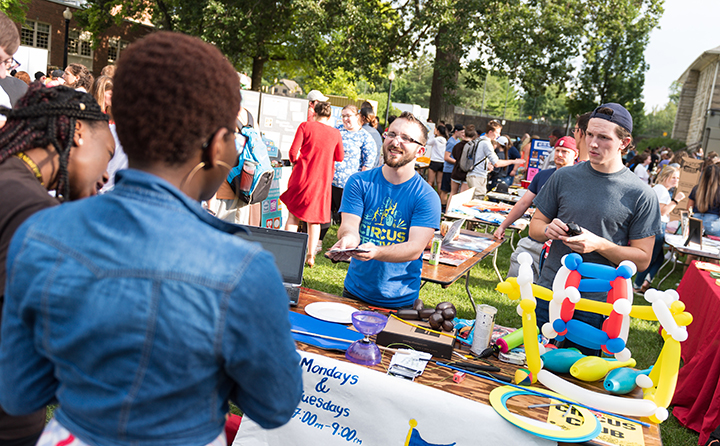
(539, 150)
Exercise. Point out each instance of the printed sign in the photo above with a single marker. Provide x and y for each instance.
(347, 404)
(271, 206)
(615, 431)
(539, 150)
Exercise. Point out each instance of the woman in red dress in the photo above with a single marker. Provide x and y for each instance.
(314, 151)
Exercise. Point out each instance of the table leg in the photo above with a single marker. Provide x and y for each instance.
(467, 289)
(497, 271)
(674, 263)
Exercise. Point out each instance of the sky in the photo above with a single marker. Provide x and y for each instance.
(687, 29)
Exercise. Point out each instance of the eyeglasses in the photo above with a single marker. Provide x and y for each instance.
(11, 63)
(404, 139)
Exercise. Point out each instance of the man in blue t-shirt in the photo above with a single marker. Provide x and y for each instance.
(390, 214)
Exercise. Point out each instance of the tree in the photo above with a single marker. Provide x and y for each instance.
(15, 9)
(614, 64)
(531, 42)
(659, 122)
(316, 38)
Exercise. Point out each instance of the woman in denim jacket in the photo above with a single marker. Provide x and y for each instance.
(138, 312)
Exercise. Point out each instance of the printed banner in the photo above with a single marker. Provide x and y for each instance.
(347, 404)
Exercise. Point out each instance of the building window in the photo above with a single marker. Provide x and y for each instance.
(80, 43)
(35, 34)
(115, 47)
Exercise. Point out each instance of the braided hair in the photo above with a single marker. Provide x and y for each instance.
(45, 116)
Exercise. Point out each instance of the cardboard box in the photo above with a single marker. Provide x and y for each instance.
(398, 332)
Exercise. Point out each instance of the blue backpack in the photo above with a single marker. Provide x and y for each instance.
(253, 150)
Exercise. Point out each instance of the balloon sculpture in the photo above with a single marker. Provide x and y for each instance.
(573, 277)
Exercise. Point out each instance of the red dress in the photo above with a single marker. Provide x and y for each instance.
(314, 151)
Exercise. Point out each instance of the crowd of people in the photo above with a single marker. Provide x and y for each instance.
(120, 232)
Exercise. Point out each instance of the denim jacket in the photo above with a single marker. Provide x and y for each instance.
(141, 314)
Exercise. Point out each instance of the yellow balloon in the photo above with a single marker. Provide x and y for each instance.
(593, 368)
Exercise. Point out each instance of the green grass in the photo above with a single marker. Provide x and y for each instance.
(644, 340)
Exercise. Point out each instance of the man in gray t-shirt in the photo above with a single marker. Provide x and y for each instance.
(619, 214)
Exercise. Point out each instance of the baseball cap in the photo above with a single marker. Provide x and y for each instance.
(459, 127)
(315, 95)
(567, 142)
(619, 116)
(502, 140)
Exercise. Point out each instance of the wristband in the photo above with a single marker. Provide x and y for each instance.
(547, 226)
(674, 200)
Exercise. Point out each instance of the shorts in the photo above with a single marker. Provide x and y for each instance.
(446, 180)
(480, 185)
(436, 166)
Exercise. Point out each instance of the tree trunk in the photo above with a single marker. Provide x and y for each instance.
(444, 81)
(257, 72)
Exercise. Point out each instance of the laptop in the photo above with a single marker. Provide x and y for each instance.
(289, 249)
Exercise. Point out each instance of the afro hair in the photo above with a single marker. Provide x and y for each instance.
(172, 92)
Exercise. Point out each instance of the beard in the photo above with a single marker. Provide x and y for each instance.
(395, 162)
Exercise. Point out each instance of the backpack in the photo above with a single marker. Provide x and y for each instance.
(467, 159)
(255, 151)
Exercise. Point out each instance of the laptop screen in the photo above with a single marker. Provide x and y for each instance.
(288, 248)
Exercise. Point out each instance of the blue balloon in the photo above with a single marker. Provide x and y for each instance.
(586, 335)
(594, 285)
(598, 271)
(624, 271)
(615, 345)
(573, 260)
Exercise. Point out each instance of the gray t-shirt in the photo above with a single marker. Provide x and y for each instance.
(617, 206)
(485, 148)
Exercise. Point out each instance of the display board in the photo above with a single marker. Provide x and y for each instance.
(539, 150)
(689, 178)
(279, 118)
(343, 403)
(251, 102)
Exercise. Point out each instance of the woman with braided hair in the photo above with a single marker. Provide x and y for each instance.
(54, 139)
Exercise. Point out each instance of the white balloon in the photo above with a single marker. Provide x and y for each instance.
(644, 382)
(608, 403)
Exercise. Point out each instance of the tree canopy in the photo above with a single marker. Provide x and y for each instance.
(589, 52)
(315, 38)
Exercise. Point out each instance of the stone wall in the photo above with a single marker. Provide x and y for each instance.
(707, 79)
(685, 106)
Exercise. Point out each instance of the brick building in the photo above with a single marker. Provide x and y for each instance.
(44, 29)
(699, 100)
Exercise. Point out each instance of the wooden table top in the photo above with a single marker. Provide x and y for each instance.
(473, 388)
(446, 275)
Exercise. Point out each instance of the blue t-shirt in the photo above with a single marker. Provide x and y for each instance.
(447, 167)
(387, 213)
(539, 180)
(360, 151)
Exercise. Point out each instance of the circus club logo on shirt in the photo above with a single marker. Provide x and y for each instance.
(384, 226)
